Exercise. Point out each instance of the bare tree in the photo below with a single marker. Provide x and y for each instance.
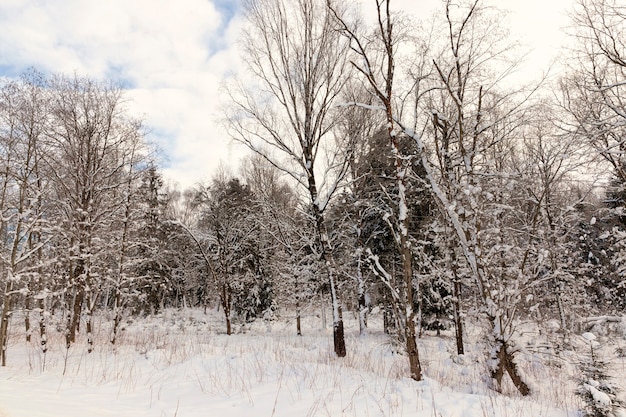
(126, 226)
(23, 121)
(547, 161)
(93, 143)
(593, 92)
(282, 234)
(360, 125)
(379, 72)
(297, 60)
(593, 95)
(471, 120)
(474, 121)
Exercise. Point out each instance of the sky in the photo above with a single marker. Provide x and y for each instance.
(174, 55)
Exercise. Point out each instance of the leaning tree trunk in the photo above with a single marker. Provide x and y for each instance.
(504, 361)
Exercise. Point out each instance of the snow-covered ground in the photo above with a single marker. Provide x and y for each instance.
(181, 364)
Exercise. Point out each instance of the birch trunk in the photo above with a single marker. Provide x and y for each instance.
(296, 53)
(328, 259)
(4, 320)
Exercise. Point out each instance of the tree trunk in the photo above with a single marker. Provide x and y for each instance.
(338, 335)
(329, 261)
(458, 321)
(362, 311)
(27, 301)
(75, 314)
(323, 310)
(89, 331)
(339, 341)
(41, 300)
(407, 272)
(415, 367)
(79, 295)
(298, 324)
(361, 295)
(67, 313)
(456, 300)
(91, 305)
(388, 322)
(117, 318)
(226, 299)
(42, 325)
(504, 362)
(4, 323)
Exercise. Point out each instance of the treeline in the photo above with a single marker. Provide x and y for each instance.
(425, 171)
(75, 198)
(388, 170)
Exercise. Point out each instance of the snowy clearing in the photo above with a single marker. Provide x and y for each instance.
(180, 364)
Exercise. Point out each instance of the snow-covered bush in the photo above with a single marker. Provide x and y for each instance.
(594, 387)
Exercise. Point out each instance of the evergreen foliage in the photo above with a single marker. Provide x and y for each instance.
(595, 388)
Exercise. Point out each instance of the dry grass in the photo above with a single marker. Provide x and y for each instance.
(370, 379)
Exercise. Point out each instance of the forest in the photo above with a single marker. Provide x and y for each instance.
(394, 168)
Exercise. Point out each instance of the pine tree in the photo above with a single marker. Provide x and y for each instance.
(595, 388)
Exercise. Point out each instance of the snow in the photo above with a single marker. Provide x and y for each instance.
(181, 364)
(618, 413)
(598, 396)
(362, 105)
(588, 336)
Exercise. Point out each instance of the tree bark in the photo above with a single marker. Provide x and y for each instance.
(27, 301)
(298, 324)
(415, 368)
(338, 333)
(458, 321)
(411, 343)
(226, 301)
(327, 257)
(505, 363)
(89, 331)
(4, 323)
(362, 309)
(91, 305)
(361, 288)
(42, 325)
(338, 336)
(76, 308)
(117, 318)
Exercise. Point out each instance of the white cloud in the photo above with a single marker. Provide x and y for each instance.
(167, 51)
(175, 54)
